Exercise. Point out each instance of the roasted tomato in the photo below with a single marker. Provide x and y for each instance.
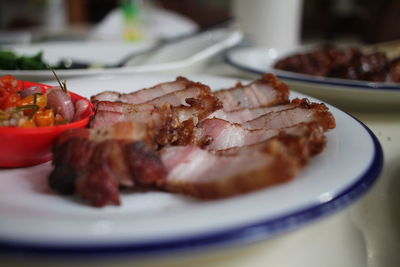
(44, 117)
(11, 101)
(8, 86)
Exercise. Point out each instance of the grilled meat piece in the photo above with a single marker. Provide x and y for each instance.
(175, 98)
(196, 109)
(185, 142)
(266, 91)
(69, 162)
(146, 94)
(223, 135)
(209, 175)
(191, 103)
(97, 174)
(247, 114)
(304, 111)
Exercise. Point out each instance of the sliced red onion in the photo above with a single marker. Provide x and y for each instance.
(36, 89)
(54, 88)
(61, 103)
(80, 108)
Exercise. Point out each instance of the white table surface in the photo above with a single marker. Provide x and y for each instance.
(365, 234)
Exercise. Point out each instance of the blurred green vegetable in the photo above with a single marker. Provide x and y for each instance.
(11, 61)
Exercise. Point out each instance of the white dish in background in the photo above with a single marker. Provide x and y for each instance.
(33, 220)
(53, 52)
(348, 94)
(184, 56)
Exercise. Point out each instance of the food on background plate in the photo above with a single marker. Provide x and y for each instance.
(36, 107)
(345, 63)
(182, 137)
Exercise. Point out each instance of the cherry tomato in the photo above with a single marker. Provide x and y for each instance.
(39, 100)
(4, 115)
(8, 86)
(3, 95)
(28, 123)
(58, 119)
(29, 100)
(44, 117)
(11, 101)
(9, 83)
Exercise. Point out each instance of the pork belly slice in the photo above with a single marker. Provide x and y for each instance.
(195, 109)
(145, 94)
(113, 162)
(73, 149)
(175, 98)
(121, 107)
(221, 134)
(160, 127)
(180, 97)
(303, 112)
(247, 114)
(106, 118)
(111, 96)
(95, 163)
(266, 91)
(300, 115)
(210, 175)
(69, 160)
(99, 182)
(118, 131)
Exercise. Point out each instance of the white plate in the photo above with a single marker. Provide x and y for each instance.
(35, 220)
(343, 93)
(187, 55)
(53, 52)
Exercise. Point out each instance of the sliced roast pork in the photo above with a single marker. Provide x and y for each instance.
(247, 114)
(304, 111)
(266, 91)
(206, 174)
(196, 109)
(174, 98)
(300, 113)
(97, 174)
(145, 94)
(94, 163)
(191, 103)
(114, 162)
(177, 138)
(220, 134)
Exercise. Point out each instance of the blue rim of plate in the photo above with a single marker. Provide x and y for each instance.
(236, 236)
(286, 75)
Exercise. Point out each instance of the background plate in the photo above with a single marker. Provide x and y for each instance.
(184, 55)
(348, 94)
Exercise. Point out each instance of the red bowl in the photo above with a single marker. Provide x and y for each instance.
(20, 147)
